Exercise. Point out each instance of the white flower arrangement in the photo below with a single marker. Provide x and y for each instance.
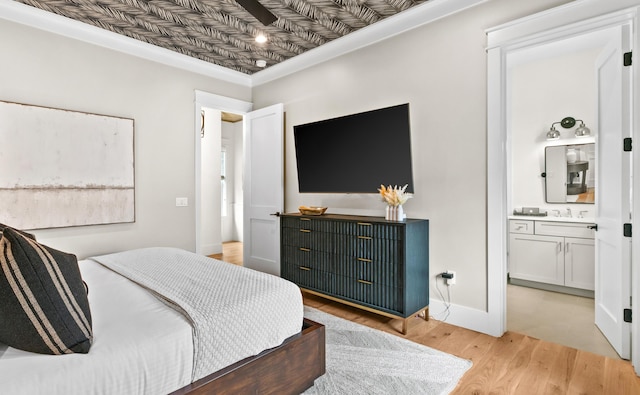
(396, 196)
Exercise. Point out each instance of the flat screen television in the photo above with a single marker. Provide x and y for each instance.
(355, 153)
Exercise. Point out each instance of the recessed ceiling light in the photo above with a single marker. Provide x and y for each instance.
(261, 38)
(261, 63)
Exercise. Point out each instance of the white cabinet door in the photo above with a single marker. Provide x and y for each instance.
(579, 263)
(537, 258)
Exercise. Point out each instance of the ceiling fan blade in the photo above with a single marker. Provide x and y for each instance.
(259, 11)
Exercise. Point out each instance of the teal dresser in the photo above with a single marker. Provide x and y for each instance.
(366, 262)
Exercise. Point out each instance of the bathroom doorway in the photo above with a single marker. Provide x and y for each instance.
(546, 84)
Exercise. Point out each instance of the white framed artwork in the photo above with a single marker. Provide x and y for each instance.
(61, 168)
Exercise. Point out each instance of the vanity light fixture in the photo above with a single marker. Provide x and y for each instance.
(567, 123)
(553, 133)
(582, 130)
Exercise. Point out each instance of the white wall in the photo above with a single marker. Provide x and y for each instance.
(210, 214)
(440, 69)
(546, 91)
(45, 69)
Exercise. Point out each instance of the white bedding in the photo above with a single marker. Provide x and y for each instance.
(141, 346)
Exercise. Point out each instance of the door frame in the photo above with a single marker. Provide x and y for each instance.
(222, 103)
(558, 23)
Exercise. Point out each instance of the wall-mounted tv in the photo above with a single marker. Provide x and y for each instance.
(355, 153)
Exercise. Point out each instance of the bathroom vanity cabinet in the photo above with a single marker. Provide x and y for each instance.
(556, 253)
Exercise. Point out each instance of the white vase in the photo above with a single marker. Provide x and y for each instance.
(388, 213)
(394, 213)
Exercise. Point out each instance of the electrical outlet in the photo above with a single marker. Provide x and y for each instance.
(182, 202)
(452, 280)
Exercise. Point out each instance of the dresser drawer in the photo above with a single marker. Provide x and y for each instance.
(521, 226)
(307, 238)
(368, 229)
(305, 257)
(567, 229)
(370, 293)
(310, 278)
(374, 249)
(364, 269)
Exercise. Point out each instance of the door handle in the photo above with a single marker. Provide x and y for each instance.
(276, 214)
(594, 227)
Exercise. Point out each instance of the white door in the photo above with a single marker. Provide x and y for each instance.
(613, 256)
(263, 188)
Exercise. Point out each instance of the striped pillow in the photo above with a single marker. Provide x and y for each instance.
(43, 302)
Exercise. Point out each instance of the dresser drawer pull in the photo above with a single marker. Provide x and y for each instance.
(365, 282)
(365, 237)
(365, 224)
(305, 249)
(305, 230)
(305, 268)
(364, 260)
(305, 219)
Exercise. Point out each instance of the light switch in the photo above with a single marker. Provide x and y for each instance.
(182, 202)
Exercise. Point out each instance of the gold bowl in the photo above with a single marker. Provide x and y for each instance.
(312, 210)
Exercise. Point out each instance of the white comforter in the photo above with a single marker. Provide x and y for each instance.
(235, 312)
(141, 346)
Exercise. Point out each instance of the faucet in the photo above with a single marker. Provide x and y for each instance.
(568, 212)
(582, 213)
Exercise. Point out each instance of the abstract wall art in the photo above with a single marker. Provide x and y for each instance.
(61, 168)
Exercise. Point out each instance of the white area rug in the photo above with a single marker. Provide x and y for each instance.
(362, 360)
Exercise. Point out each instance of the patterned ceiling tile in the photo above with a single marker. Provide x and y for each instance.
(222, 32)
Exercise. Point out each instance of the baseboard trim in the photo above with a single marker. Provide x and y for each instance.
(465, 317)
(210, 249)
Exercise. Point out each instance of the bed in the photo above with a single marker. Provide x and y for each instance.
(147, 341)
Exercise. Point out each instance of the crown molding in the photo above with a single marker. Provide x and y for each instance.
(422, 14)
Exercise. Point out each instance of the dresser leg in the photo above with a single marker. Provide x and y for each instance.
(404, 326)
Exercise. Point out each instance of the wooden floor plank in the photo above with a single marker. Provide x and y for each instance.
(543, 358)
(511, 364)
(619, 379)
(588, 374)
(510, 379)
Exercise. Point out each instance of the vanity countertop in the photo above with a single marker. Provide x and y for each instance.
(553, 219)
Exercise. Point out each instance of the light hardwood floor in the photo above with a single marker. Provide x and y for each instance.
(511, 364)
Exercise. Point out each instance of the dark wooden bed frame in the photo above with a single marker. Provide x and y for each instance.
(290, 368)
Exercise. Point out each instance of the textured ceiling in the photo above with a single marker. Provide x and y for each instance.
(222, 32)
